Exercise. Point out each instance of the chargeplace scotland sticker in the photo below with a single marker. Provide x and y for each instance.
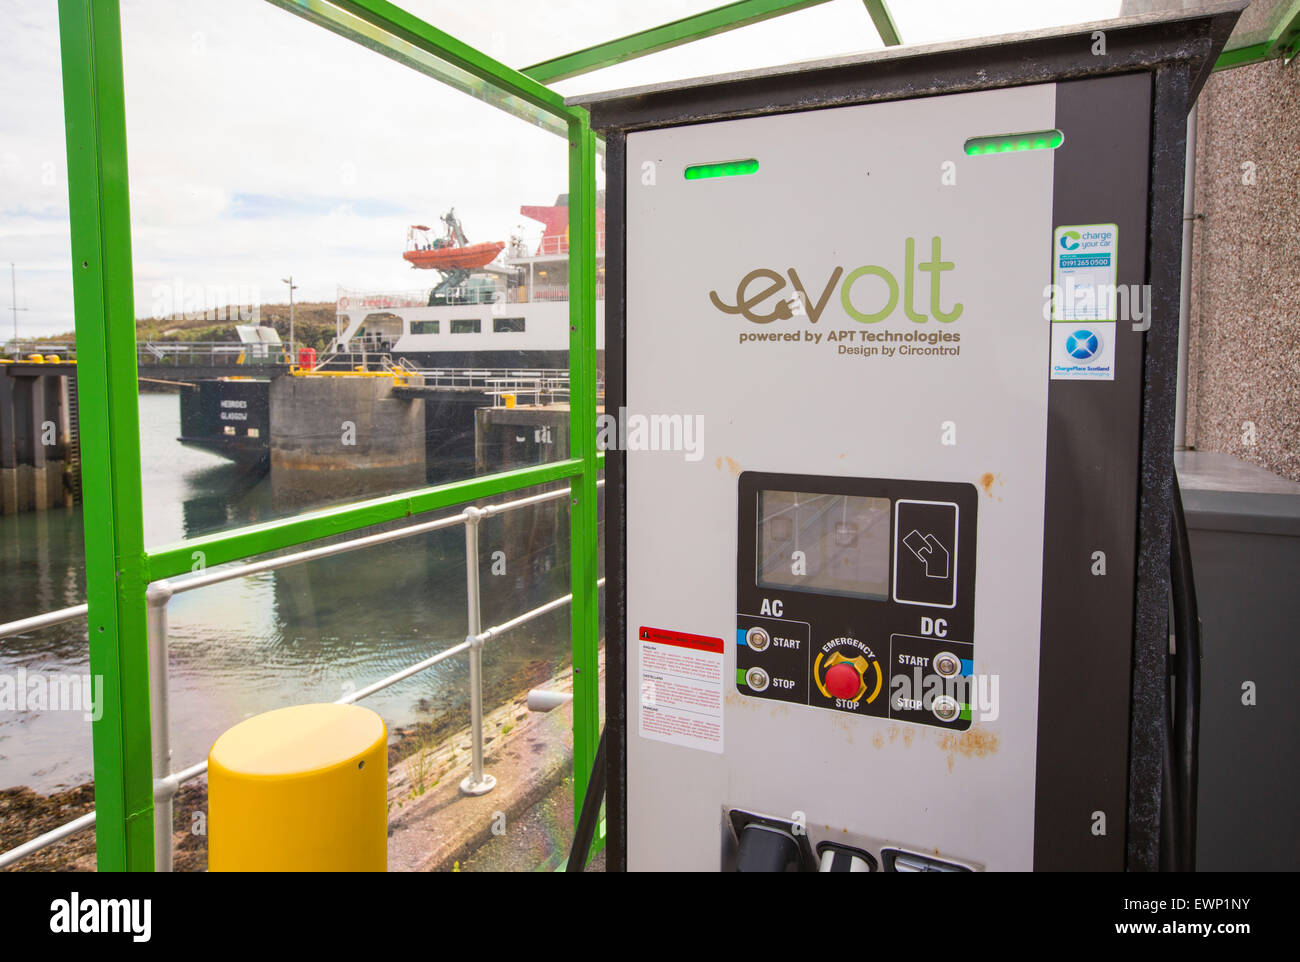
(1083, 351)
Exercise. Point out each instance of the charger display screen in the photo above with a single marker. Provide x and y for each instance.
(833, 544)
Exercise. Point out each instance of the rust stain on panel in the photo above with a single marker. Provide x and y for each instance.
(974, 743)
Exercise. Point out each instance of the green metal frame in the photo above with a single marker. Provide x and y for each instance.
(884, 22)
(391, 31)
(118, 567)
(91, 46)
(583, 531)
(214, 549)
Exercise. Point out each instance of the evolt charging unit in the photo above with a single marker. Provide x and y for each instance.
(896, 335)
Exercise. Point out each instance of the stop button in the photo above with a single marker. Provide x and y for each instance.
(843, 680)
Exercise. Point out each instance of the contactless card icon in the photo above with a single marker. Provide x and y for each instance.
(930, 551)
(925, 553)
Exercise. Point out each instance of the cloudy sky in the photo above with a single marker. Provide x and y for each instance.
(261, 146)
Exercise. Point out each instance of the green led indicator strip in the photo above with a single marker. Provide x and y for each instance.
(1014, 143)
(729, 168)
(740, 677)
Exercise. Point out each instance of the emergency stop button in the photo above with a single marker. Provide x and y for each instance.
(843, 680)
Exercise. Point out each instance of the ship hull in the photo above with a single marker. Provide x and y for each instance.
(230, 417)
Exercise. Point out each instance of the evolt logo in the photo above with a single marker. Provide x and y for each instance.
(853, 298)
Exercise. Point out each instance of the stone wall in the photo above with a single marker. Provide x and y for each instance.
(1244, 357)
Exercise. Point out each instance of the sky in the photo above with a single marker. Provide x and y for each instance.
(261, 147)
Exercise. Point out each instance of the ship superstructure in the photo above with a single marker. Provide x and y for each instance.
(508, 312)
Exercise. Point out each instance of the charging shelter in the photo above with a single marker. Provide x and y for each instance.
(906, 608)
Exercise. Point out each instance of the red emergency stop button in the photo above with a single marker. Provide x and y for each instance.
(843, 680)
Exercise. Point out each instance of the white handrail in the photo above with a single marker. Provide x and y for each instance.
(58, 617)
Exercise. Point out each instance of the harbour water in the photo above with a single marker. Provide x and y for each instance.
(307, 633)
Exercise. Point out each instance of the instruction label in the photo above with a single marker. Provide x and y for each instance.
(681, 688)
(1084, 301)
(1084, 272)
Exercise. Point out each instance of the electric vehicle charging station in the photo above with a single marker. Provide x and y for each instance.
(909, 610)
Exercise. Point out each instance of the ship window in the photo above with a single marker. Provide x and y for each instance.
(508, 325)
(465, 327)
(424, 327)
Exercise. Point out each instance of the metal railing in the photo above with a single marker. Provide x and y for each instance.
(559, 244)
(538, 390)
(174, 353)
(23, 348)
(557, 292)
(479, 377)
(167, 782)
(543, 385)
(209, 353)
(380, 300)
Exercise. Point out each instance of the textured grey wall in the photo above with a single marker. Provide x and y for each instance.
(1244, 356)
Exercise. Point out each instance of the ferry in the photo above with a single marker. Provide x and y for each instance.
(511, 312)
(497, 312)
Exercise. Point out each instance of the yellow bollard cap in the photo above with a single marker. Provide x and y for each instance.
(299, 740)
(300, 789)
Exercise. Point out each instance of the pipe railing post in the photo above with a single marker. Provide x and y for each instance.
(477, 782)
(156, 598)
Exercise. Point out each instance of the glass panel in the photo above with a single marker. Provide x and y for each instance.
(830, 29)
(36, 275)
(1257, 23)
(47, 697)
(525, 556)
(932, 21)
(265, 150)
(519, 34)
(322, 630)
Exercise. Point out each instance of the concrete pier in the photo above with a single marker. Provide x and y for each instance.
(339, 437)
(507, 438)
(37, 436)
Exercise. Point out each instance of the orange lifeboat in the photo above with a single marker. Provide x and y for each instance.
(451, 257)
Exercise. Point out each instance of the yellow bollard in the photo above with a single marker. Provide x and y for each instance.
(301, 789)
(509, 399)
